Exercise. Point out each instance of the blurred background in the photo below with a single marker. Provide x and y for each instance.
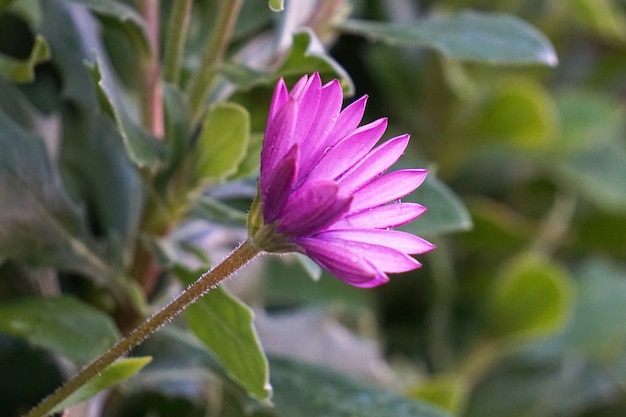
(521, 310)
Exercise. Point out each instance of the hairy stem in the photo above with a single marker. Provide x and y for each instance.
(237, 259)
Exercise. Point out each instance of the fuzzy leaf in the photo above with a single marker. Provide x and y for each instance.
(471, 36)
(38, 222)
(599, 174)
(306, 391)
(115, 373)
(143, 149)
(92, 145)
(223, 142)
(122, 15)
(307, 55)
(446, 213)
(225, 326)
(63, 325)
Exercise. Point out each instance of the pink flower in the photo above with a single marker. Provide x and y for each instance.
(322, 188)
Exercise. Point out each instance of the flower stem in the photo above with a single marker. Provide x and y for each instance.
(200, 85)
(237, 259)
(175, 40)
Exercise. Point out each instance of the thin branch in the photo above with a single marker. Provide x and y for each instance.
(175, 39)
(200, 85)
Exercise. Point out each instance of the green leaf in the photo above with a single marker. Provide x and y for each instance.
(115, 373)
(23, 71)
(4, 4)
(29, 10)
(216, 211)
(71, 32)
(519, 113)
(17, 106)
(598, 173)
(182, 365)
(63, 325)
(469, 36)
(73, 35)
(124, 16)
(223, 142)
(446, 212)
(43, 374)
(225, 326)
(307, 55)
(143, 149)
(177, 122)
(587, 118)
(448, 392)
(304, 390)
(296, 280)
(605, 17)
(532, 298)
(277, 5)
(597, 326)
(92, 145)
(249, 166)
(40, 225)
(498, 229)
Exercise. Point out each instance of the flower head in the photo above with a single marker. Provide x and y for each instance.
(323, 190)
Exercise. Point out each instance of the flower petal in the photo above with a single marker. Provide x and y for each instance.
(389, 187)
(349, 151)
(311, 208)
(382, 217)
(327, 114)
(382, 257)
(374, 164)
(279, 137)
(347, 121)
(299, 86)
(400, 241)
(345, 264)
(276, 188)
(279, 98)
(308, 101)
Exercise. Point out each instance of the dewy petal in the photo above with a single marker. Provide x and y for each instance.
(348, 152)
(374, 164)
(279, 138)
(387, 188)
(400, 241)
(311, 208)
(382, 217)
(276, 188)
(345, 264)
